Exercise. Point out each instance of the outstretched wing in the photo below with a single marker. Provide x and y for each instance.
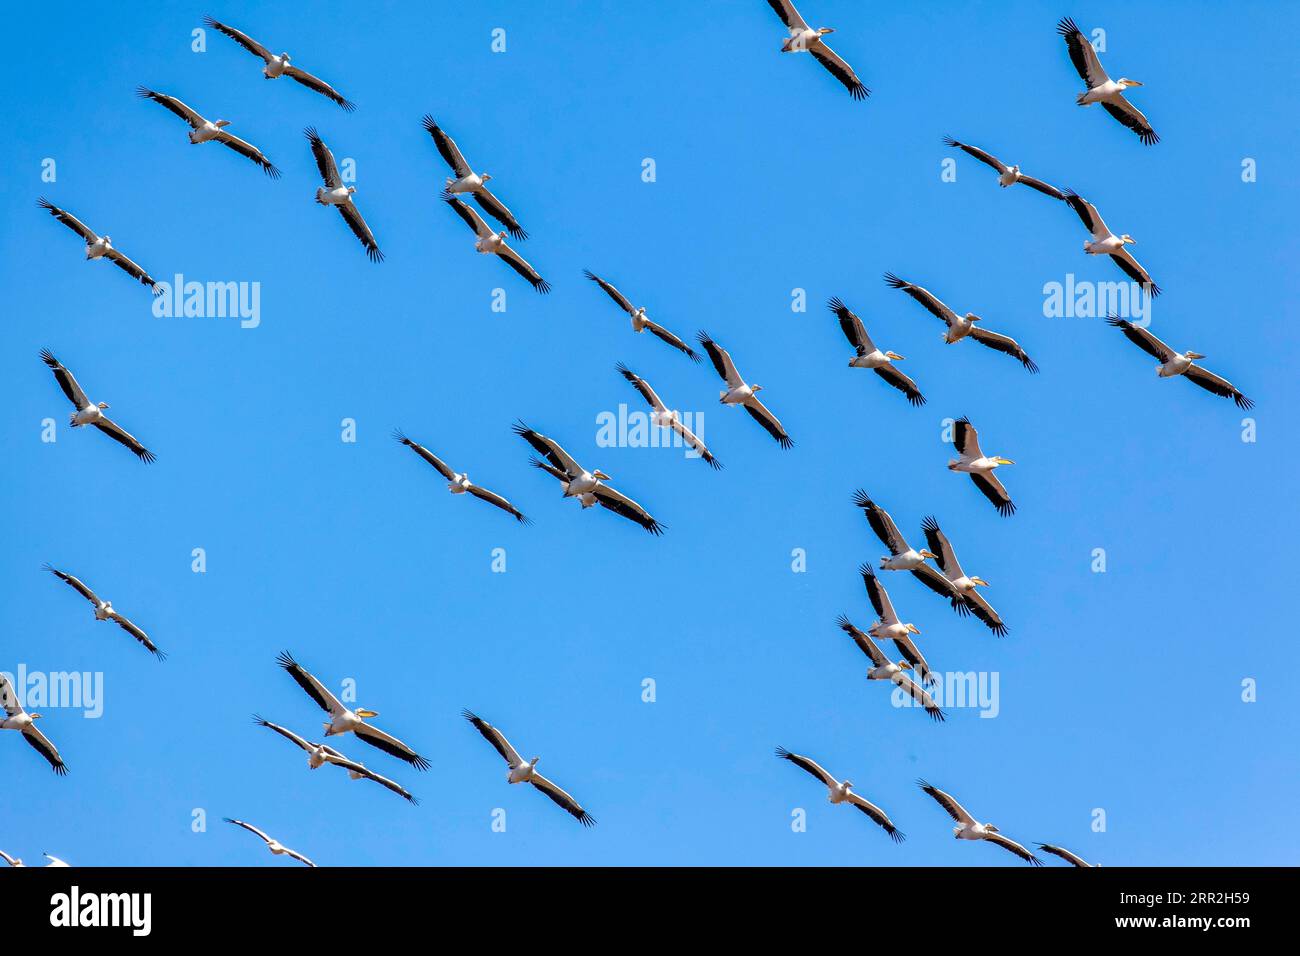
(839, 68)
(171, 103)
(996, 492)
(1082, 55)
(494, 499)
(809, 765)
(931, 302)
(497, 210)
(352, 216)
(865, 644)
(320, 86)
(1003, 343)
(138, 634)
(655, 329)
(1130, 116)
(76, 583)
(248, 43)
(447, 147)
(1219, 386)
(571, 806)
(494, 737)
(898, 380)
(68, 219)
(760, 413)
(329, 171)
(1008, 844)
(248, 150)
(119, 434)
(621, 504)
(427, 455)
(521, 265)
(66, 382)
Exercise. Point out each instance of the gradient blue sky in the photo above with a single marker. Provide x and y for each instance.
(1118, 690)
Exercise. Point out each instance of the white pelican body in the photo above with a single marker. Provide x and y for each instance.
(801, 38)
(840, 792)
(525, 771)
(208, 131)
(1101, 88)
(458, 483)
(337, 196)
(888, 625)
(741, 393)
(272, 844)
(876, 359)
(275, 66)
(467, 184)
(522, 773)
(968, 828)
(491, 243)
(1178, 363)
(88, 416)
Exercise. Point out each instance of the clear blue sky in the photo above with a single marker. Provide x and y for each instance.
(1118, 690)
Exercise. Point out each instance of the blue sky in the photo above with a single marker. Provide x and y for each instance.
(1120, 691)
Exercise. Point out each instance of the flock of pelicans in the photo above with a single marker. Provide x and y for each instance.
(945, 577)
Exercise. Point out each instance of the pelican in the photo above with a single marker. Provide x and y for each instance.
(1007, 175)
(967, 600)
(459, 484)
(665, 417)
(1106, 243)
(525, 771)
(842, 792)
(278, 65)
(104, 611)
(489, 243)
(587, 486)
(882, 668)
(738, 392)
(888, 627)
(319, 754)
(805, 39)
(90, 413)
(911, 653)
(961, 326)
(1072, 858)
(902, 556)
(468, 181)
(869, 356)
(639, 321)
(205, 131)
(54, 861)
(343, 720)
(11, 860)
(99, 247)
(980, 467)
(15, 718)
(1174, 363)
(340, 196)
(1101, 88)
(972, 829)
(275, 846)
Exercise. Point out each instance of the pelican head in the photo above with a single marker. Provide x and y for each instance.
(972, 317)
(501, 235)
(991, 828)
(847, 785)
(1127, 240)
(601, 475)
(367, 714)
(35, 716)
(913, 629)
(1124, 82)
(822, 31)
(351, 190)
(285, 57)
(756, 388)
(904, 666)
(485, 176)
(1193, 355)
(979, 582)
(534, 763)
(1004, 461)
(927, 554)
(894, 356)
(103, 405)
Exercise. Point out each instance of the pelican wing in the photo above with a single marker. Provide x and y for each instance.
(249, 44)
(1088, 215)
(8, 699)
(548, 468)
(427, 455)
(621, 504)
(865, 644)
(495, 738)
(298, 856)
(521, 265)
(69, 220)
(918, 694)
(809, 765)
(138, 634)
(852, 327)
(1142, 338)
(447, 147)
(247, 149)
(494, 499)
(1045, 188)
(472, 219)
(1082, 55)
(249, 827)
(923, 296)
(314, 688)
(938, 542)
(65, 380)
(986, 158)
(390, 745)
(1219, 386)
(77, 584)
(173, 104)
(1008, 844)
(352, 216)
(1130, 116)
(954, 809)
(973, 602)
(839, 68)
(9, 859)
(912, 654)
(788, 14)
(1124, 259)
(497, 210)
(562, 799)
(42, 745)
(320, 86)
(759, 412)
(130, 268)
(1003, 343)
(898, 380)
(285, 733)
(1071, 858)
(642, 386)
(881, 523)
(935, 581)
(966, 439)
(611, 291)
(119, 434)
(878, 815)
(694, 441)
(362, 771)
(550, 450)
(329, 170)
(660, 332)
(996, 492)
(721, 360)
(878, 595)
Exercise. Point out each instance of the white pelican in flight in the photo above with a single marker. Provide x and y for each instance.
(11, 860)
(882, 668)
(587, 486)
(15, 718)
(468, 181)
(459, 484)
(494, 243)
(275, 846)
(91, 413)
(639, 321)
(902, 556)
(104, 611)
(804, 39)
(1007, 175)
(739, 392)
(319, 754)
(335, 194)
(962, 326)
(911, 653)
(1101, 88)
(980, 467)
(1179, 363)
(343, 720)
(99, 247)
(1072, 858)
(969, 828)
(525, 771)
(968, 600)
(205, 131)
(1106, 243)
(278, 65)
(842, 792)
(665, 417)
(869, 356)
(888, 626)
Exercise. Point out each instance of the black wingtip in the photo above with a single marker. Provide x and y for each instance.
(399, 435)
(311, 134)
(862, 500)
(542, 286)
(949, 141)
(897, 835)
(928, 523)
(271, 170)
(836, 305)
(783, 753)
(1066, 27)
(285, 660)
